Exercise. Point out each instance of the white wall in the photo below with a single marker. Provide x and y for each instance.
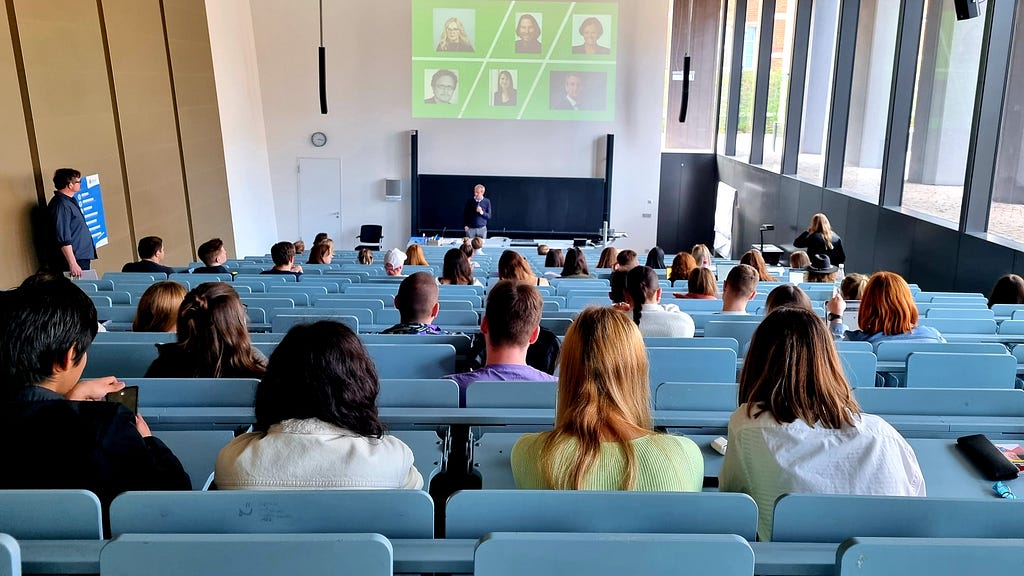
(369, 74)
(242, 125)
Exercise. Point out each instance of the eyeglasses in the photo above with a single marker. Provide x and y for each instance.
(79, 181)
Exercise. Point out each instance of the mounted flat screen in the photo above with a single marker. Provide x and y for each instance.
(512, 60)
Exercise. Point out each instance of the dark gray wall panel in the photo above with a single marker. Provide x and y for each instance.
(893, 243)
(860, 230)
(934, 255)
(980, 263)
(686, 204)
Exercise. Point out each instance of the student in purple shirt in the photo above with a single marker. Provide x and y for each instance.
(511, 323)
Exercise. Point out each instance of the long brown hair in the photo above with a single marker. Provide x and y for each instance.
(702, 281)
(414, 256)
(513, 266)
(607, 258)
(157, 310)
(754, 259)
(212, 332)
(456, 268)
(792, 371)
(887, 306)
(320, 252)
(682, 264)
(603, 380)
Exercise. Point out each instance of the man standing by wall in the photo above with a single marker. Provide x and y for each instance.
(72, 233)
(476, 213)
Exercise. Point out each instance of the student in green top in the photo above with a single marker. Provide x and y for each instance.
(603, 438)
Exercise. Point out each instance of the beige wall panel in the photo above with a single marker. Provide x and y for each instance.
(17, 184)
(146, 107)
(71, 105)
(202, 144)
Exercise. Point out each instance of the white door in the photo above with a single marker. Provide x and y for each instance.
(319, 198)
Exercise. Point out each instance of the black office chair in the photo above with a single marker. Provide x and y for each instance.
(370, 236)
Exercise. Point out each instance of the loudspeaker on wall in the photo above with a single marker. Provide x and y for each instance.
(392, 189)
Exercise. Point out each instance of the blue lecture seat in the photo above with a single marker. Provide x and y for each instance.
(741, 331)
(282, 323)
(484, 394)
(592, 511)
(960, 325)
(693, 396)
(10, 556)
(932, 556)
(705, 342)
(197, 450)
(958, 370)
(859, 367)
(393, 513)
(120, 359)
(50, 514)
(250, 554)
(546, 554)
(418, 393)
(691, 365)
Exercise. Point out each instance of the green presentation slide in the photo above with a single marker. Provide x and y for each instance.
(513, 60)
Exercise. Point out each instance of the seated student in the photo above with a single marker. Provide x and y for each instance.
(151, 253)
(457, 270)
(300, 247)
(554, 258)
(320, 237)
(469, 252)
(682, 265)
(701, 285)
(617, 290)
(754, 259)
(798, 427)
(394, 259)
(603, 438)
(365, 256)
(510, 325)
(575, 264)
(157, 310)
(513, 266)
(213, 255)
(607, 258)
(852, 287)
(478, 245)
(656, 258)
(542, 249)
(887, 312)
(643, 293)
(414, 256)
(625, 261)
(317, 426)
(322, 253)
(283, 255)
(787, 295)
(1008, 289)
(701, 255)
(417, 306)
(212, 338)
(56, 438)
(799, 260)
(739, 288)
(821, 270)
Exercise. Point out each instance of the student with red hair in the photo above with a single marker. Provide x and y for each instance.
(887, 312)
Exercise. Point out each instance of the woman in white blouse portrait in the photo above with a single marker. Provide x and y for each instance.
(798, 427)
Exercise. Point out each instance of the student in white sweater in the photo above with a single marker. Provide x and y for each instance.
(798, 427)
(317, 425)
(643, 294)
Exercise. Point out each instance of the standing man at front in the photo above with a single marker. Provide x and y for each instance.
(477, 213)
(72, 233)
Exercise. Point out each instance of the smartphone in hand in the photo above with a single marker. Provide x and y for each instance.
(127, 396)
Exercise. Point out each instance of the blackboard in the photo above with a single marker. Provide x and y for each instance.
(522, 206)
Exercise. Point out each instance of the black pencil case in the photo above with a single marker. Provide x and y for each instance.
(986, 457)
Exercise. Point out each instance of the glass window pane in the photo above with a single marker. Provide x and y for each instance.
(818, 90)
(695, 31)
(723, 110)
(1006, 218)
(940, 128)
(778, 83)
(751, 36)
(869, 102)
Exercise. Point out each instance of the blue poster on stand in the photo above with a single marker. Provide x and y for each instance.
(90, 200)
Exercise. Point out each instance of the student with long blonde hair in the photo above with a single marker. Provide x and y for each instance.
(603, 437)
(414, 256)
(702, 255)
(820, 239)
(157, 310)
(798, 427)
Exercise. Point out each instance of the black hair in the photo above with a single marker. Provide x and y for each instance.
(282, 253)
(617, 281)
(641, 281)
(63, 177)
(322, 371)
(149, 246)
(575, 263)
(656, 258)
(40, 321)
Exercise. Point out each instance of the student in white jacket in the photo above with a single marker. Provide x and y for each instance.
(643, 294)
(317, 425)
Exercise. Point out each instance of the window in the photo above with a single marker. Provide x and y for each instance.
(869, 102)
(778, 84)
(940, 129)
(749, 37)
(1006, 218)
(696, 28)
(748, 79)
(817, 90)
(723, 108)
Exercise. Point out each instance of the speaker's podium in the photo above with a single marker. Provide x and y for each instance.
(770, 252)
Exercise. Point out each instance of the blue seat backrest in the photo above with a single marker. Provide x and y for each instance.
(854, 345)
(393, 513)
(120, 359)
(50, 515)
(372, 289)
(546, 554)
(365, 315)
(836, 517)
(307, 288)
(960, 325)
(266, 302)
(705, 342)
(1006, 310)
(484, 394)
(858, 367)
(350, 301)
(448, 291)
(691, 365)
(574, 302)
(194, 392)
(557, 325)
(10, 556)
(250, 554)
(197, 279)
(418, 393)
(952, 370)
(1011, 327)
(413, 360)
(700, 319)
(138, 337)
(119, 313)
(899, 351)
(282, 323)
(941, 402)
(715, 397)
(740, 331)
(461, 342)
(969, 313)
(932, 556)
(594, 511)
(197, 451)
(134, 276)
(694, 304)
